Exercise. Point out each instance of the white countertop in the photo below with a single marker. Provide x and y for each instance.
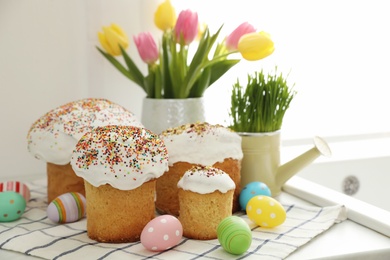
(346, 240)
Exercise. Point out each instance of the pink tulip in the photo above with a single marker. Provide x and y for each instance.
(147, 47)
(186, 28)
(233, 39)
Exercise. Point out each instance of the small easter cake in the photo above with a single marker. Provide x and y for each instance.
(120, 165)
(53, 137)
(205, 198)
(198, 144)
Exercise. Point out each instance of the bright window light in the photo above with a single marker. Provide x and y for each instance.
(336, 53)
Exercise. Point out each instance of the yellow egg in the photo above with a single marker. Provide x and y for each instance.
(265, 211)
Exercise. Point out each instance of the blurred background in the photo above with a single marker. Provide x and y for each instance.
(335, 52)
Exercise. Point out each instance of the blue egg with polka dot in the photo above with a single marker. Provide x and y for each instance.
(253, 189)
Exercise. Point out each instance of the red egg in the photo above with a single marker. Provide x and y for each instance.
(16, 186)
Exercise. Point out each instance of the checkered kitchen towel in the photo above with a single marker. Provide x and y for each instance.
(34, 234)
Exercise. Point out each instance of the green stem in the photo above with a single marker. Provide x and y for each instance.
(263, 104)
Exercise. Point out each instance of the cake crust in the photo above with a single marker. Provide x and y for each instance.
(167, 201)
(119, 216)
(53, 136)
(233, 169)
(200, 214)
(119, 165)
(62, 179)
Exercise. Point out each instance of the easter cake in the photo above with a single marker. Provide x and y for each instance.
(53, 137)
(119, 165)
(197, 144)
(206, 198)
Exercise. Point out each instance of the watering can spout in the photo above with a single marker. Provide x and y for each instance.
(261, 161)
(289, 169)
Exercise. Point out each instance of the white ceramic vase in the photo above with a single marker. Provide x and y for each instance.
(161, 114)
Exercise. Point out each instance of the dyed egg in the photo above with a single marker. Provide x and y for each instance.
(265, 211)
(162, 233)
(234, 235)
(252, 189)
(12, 206)
(16, 186)
(66, 208)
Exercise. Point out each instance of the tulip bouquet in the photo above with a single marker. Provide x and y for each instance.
(172, 73)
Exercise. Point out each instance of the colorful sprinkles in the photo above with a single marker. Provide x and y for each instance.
(79, 117)
(120, 151)
(208, 171)
(198, 128)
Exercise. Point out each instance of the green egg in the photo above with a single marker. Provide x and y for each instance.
(234, 235)
(12, 206)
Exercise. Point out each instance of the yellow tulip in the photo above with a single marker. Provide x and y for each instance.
(255, 46)
(165, 16)
(201, 30)
(111, 38)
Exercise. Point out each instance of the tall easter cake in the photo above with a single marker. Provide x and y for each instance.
(198, 144)
(120, 165)
(53, 137)
(205, 198)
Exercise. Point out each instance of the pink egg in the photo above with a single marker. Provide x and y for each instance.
(162, 233)
(16, 186)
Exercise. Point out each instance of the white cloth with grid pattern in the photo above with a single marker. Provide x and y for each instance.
(34, 234)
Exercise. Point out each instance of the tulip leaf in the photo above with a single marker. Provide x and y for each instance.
(220, 68)
(149, 82)
(200, 61)
(175, 69)
(214, 38)
(165, 60)
(116, 64)
(201, 52)
(137, 75)
(212, 72)
(158, 83)
(201, 84)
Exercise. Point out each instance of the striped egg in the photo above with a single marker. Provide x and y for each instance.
(16, 186)
(66, 208)
(234, 235)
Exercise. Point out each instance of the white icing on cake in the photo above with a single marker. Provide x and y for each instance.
(205, 180)
(123, 156)
(53, 137)
(202, 144)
